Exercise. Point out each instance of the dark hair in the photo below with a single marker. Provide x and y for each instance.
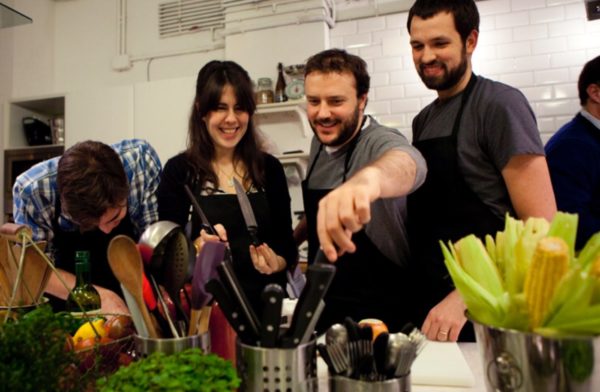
(90, 179)
(338, 60)
(466, 15)
(212, 79)
(590, 74)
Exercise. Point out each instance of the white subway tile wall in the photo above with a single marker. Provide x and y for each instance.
(537, 46)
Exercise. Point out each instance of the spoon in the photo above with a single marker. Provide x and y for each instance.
(396, 346)
(126, 264)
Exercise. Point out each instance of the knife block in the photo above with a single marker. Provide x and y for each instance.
(343, 384)
(277, 369)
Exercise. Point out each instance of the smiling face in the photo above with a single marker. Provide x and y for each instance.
(227, 124)
(441, 58)
(334, 111)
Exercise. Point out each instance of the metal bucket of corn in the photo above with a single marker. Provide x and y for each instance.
(528, 362)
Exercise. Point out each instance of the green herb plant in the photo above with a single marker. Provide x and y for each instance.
(34, 354)
(188, 370)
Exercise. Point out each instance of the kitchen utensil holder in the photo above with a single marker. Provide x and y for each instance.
(343, 384)
(145, 346)
(519, 361)
(277, 369)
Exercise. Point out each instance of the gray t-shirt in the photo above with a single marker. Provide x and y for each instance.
(387, 228)
(497, 124)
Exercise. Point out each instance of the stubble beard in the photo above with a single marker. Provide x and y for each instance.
(346, 132)
(449, 79)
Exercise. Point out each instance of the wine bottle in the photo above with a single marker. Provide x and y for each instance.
(280, 86)
(84, 296)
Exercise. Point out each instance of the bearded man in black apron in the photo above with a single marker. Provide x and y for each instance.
(358, 172)
(82, 200)
(483, 151)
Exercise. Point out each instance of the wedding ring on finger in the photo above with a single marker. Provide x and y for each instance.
(442, 335)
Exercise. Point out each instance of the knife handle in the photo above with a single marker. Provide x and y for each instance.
(237, 295)
(231, 311)
(271, 319)
(318, 279)
(253, 232)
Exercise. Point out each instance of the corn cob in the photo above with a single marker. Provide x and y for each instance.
(595, 269)
(549, 263)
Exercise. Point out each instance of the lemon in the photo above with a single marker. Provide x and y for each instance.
(86, 331)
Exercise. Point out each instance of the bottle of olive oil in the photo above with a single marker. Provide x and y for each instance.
(84, 296)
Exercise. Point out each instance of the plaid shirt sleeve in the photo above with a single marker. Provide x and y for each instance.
(142, 167)
(34, 195)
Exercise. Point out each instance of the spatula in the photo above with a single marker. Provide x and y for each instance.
(205, 269)
(126, 264)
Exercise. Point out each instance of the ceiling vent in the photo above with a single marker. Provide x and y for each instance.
(179, 17)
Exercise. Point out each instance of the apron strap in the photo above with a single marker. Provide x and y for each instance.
(463, 101)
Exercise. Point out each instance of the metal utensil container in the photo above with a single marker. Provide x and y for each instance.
(343, 384)
(277, 369)
(528, 362)
(145, 346)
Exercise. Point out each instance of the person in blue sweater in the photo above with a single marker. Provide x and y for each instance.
(573, 155)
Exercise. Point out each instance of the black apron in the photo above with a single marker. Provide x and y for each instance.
(66, 243)
(366, 284)
(225, 209)
(443, 208)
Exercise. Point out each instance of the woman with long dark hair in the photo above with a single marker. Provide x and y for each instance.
(222, 146)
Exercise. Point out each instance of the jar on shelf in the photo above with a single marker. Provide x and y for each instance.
(264, 92)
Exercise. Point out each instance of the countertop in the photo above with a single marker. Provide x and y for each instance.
(470, 352)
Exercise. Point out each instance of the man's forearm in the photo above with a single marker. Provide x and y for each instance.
(57, 288)
(393, 174)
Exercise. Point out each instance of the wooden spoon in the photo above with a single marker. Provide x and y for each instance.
(126, 264)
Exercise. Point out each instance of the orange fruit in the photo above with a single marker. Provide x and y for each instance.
(376, 325)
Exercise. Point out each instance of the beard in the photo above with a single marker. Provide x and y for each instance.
(348, 128)
(450, 77)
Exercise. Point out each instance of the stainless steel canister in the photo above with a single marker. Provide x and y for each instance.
(528, 362)
(343, 384)
(145, 346)
(277, 369)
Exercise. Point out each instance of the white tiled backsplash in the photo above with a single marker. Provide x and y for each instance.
(537, 46)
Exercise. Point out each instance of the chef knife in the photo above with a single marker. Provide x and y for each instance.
(204, 223)
(231, 311)
(247, 212)
(271, 319)
(238, 297)
(318, 279)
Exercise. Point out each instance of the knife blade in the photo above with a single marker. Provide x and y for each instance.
(204, 222)
(318, 279)
(237, 295)
(247, 212)
(231, 311)
(271, 319)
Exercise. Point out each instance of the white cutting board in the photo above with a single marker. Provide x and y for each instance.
(441, 363)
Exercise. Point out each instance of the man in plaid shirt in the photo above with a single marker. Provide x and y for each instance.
(80, 201)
